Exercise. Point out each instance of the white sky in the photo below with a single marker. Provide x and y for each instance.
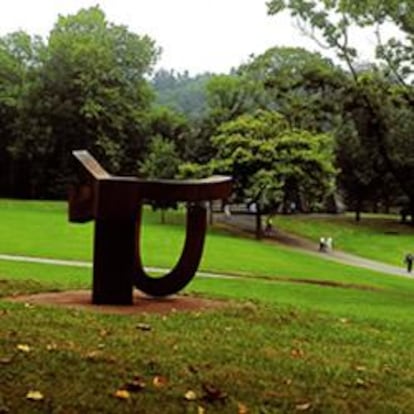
(197, 35)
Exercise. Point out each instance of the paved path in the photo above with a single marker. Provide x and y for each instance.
(77, 263)
(247, 223)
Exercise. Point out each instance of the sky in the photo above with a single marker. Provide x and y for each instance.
(194, 35)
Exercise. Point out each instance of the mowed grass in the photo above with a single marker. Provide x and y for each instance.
(377, 237)
(41, 229)
(276, 347)
(279, 346)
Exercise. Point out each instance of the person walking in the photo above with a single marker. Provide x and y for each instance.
(409, 258)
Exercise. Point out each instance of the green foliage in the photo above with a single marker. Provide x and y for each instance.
(181, 92)
(272, 164)
(161, 161)
(301, 85)
(384, 104)
(230, 96)
(86, 89)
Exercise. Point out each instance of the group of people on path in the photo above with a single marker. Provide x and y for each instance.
(325, 244)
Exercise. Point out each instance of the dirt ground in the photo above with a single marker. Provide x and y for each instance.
(81, 299)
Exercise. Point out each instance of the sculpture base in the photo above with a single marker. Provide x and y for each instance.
(81, 299)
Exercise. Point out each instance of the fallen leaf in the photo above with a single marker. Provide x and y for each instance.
(200, 410)
(137, 384)
(6, 360)
(93, 355)
(34, 395)
(360, 368)
(190, 395)
(303, 407)
(212, 393)
(242, 409)
(297, 353)
(122, 394)
(51, 347)
(23, 347)
(360, 382)
(192, 369)
(144, 327)
(159, 381)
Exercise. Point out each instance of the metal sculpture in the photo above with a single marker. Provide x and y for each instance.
(115, 203)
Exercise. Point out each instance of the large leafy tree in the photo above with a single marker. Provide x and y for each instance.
(90, 92)
(386, 102)
(274, 165)
(303, 86)
(20, 59)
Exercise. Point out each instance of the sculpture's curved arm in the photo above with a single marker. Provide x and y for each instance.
(188, 263)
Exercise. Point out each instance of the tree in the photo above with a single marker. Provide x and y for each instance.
(385, 102)
(90, 92)
(161, 161)
(181, 92)
(274, 165)
(301, 85)
(20, 56)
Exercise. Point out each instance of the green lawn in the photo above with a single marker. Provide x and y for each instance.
(41, 229)
(377, 237)
(279, 346)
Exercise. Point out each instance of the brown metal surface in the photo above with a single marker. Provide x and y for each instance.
(115, 204)
(188, 263)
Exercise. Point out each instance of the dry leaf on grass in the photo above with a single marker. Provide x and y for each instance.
(297, 353)
(190, 395)
(212, 393)
(159, 381)
(6, 360)
(144, 327)
(242, 409)
(303, 407)
(136, 385)
(34, 395)
(23, 347)
(51, 347)
(122, 394)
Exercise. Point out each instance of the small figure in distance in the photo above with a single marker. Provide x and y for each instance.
(269, 225)
(409, 258)
(322, 244)
(328, 243)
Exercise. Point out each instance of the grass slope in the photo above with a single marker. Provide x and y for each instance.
(381, 238)
(278, 347)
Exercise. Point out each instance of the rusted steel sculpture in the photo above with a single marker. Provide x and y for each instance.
(115, 203)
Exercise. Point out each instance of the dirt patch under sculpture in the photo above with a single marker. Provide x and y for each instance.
(81, 299)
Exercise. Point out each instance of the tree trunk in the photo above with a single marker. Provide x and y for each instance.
(259, 232)
(411, 211)
(358, 211)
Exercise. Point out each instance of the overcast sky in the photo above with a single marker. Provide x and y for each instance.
(197, 35)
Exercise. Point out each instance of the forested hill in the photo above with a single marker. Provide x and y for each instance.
(181, 92)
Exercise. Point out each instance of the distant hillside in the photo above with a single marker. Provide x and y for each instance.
(181, 92)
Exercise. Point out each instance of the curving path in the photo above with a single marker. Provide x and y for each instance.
(247, 224)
